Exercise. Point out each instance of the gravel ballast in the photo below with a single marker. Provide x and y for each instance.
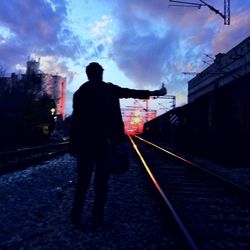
(36, 203)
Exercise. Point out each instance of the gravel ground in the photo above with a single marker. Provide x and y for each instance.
(35, 205)
(238, 173)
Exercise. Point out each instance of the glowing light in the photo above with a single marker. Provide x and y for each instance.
(136, 120)
(52, 111)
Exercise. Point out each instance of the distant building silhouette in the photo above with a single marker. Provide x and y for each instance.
(32, 67)
(39, 82)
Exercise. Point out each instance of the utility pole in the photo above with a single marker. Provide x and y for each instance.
(227, 12)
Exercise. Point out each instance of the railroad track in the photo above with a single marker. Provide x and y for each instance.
(22, 158)
(210, 211)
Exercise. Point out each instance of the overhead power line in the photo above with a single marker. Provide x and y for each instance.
(225, 15)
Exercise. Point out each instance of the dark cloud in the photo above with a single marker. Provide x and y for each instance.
(151, 42)
(36, 27)
(156, 43)
(145, 52)
(144, 58)
(34, 19)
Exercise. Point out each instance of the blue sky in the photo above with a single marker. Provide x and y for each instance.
(140, 43)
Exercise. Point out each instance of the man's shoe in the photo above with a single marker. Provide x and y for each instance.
(98, 222)
(75, 220)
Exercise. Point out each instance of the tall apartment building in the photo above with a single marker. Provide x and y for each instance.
(53, 85)
(226, 68)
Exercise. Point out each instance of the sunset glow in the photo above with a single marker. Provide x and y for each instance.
(139, 43)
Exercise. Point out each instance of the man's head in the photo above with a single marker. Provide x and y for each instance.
(94, 71)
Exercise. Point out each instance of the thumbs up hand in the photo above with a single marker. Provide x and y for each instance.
(162, 91)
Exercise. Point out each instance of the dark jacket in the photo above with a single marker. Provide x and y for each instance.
(97, 115)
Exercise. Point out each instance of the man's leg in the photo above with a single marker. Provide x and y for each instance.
(101, 188)
(84, 173)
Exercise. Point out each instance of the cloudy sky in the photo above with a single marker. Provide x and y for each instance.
(140, 43)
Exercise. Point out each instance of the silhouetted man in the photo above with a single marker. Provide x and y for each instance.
(97, 119)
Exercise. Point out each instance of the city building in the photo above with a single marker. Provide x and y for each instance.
(225, 69)
(55, 86)
(38, 82)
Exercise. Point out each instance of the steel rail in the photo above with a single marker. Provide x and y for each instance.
(222, 179)
(15, 160)
(171, 209)
(30, 149)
